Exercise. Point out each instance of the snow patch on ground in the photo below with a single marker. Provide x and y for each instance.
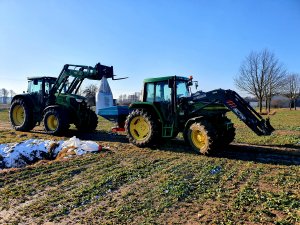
(33, 150)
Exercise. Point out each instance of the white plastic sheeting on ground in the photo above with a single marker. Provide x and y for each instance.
(81, 147)
(33, 150)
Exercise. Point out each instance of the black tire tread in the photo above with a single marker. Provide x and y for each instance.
(154, 136)
(225, 137)
(29, 123)
(211, 135)
(89, 125)
(62, 118)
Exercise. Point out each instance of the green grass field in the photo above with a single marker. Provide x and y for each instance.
(286, 124)
(166, 185)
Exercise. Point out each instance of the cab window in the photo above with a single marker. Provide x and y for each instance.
(35, 86)
(150, 92)
(162, 92)
(48, 86)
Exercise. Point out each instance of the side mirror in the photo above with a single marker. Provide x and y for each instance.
(196, 84)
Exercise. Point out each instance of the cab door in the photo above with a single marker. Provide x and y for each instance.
(161, 95)
(36, 90)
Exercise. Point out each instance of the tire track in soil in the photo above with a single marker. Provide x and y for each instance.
(247, 152)
(5, 126)
(262, 154)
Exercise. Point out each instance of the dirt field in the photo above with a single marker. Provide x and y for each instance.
(255, 181)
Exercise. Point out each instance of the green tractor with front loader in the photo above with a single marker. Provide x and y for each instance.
(168, 107)
(55, 101)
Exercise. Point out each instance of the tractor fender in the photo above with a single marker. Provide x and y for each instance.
(190, 121)
(29, 101)
(55, 107)
(25, 97)
(149, 107)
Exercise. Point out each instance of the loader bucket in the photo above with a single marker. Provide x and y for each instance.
(268, 127)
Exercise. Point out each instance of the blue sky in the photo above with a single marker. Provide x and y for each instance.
(145, 38)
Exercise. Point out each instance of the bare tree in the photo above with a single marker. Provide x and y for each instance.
(292, 90)
(252, 77)
(90, 93)
(12, 93)
(259, 76)
(4, 94)
(275, 77)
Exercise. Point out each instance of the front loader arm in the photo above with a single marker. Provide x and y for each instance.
(80, 72)
(239, 107)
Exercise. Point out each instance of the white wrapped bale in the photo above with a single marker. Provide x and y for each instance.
(104, 97)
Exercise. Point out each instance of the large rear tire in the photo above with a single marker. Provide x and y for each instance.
(55, 121)
(21, 116)
(90, 124)
(142, 128)
(201, 136)
(226, 135)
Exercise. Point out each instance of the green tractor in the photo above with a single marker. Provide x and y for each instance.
(169, 107)
(56, 102)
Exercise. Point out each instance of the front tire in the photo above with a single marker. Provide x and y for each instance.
(142, 128)
(55, 121)
(201, 136)
(21, 116)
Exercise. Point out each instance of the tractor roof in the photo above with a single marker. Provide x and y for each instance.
(41, 78)
(157, 79)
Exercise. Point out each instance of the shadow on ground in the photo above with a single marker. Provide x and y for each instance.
(276, 155)
(261, 154)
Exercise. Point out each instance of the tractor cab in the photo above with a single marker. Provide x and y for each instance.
(39, 88)
(40, 84)
(166, 89)
(165, 93)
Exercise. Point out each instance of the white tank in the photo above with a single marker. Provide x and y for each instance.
(104, 97)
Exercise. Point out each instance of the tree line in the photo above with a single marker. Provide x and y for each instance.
(262, 75)
(4, 93)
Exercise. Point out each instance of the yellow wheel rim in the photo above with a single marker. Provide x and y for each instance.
(18, 115)
(139, 128)
(52, 122)
(199, 138)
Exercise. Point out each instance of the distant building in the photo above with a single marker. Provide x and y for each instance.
(6, 100)
(128, 99)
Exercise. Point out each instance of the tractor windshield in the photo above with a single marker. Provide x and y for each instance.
(182, 89)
